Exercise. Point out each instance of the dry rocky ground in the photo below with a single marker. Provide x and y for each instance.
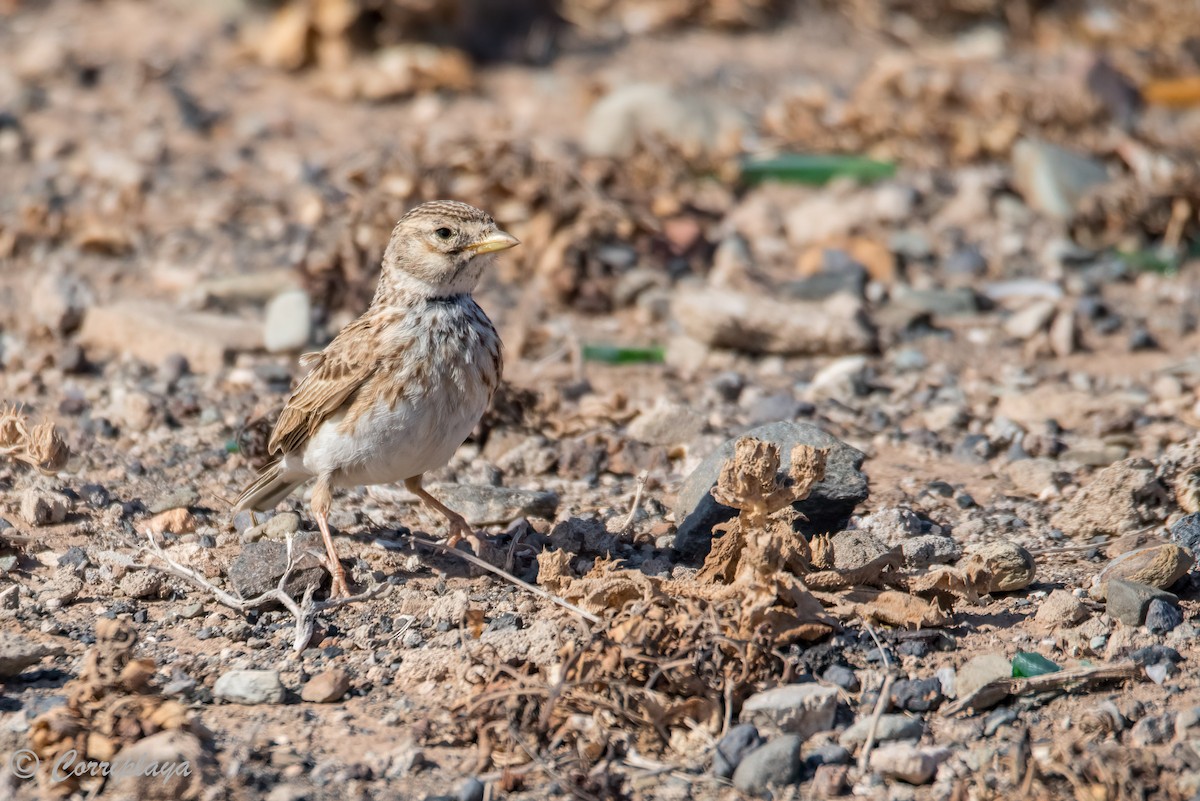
(975, 379)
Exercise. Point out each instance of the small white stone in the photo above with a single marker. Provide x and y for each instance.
(288, 323)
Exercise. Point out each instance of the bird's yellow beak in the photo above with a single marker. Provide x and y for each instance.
(497, 240)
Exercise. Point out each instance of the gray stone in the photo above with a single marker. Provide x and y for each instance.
(843, 677)
(930, 549)
(775, 764)
(1052, 179)
(889, 728)
(917, 695)
(892, 524)
(827, 508)
(495, 506)
(288, 323)
(1162, 616)
(802, 709)
(1128, 601)
(938, 302)
(250, 687)
(18, 652)
(733, 747)
(853, 549)
(260, 565)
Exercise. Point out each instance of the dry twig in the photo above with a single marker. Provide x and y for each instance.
(305, 611)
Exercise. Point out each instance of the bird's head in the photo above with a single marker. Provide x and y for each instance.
(439, 249)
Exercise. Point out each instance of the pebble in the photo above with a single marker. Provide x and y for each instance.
(1162, 616)
(733, 747)
(1061, 608)
(890, 727)
(327, 687)
(979, 671)
(802, 709)
(288, 322)
(1128, 601)
(843, 677)
(142, 584)
(181, 498)
(930, 549)
(827, 754)
(43, 508)
(250, 687)
(917, 695)
(906, 762)
(776, 763)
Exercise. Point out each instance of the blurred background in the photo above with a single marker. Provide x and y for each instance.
(156, 148)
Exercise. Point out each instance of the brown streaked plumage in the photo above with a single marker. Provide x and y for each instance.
(399, 389)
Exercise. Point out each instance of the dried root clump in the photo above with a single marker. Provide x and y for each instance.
(41, 447)
(111, 705)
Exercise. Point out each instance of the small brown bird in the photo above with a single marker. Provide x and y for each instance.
(399, 389)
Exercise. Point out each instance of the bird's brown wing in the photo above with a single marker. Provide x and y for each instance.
(338, 373)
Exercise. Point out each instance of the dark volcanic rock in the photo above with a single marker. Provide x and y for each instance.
(260, 565)
(828, 507)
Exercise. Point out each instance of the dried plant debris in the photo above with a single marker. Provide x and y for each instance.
(111, 705)
(41, 446)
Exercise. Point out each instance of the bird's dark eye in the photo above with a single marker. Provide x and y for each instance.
(443, 233)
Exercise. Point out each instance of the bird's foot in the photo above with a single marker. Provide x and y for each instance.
(339, 588)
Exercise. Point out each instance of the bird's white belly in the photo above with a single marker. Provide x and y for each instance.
(391, 444)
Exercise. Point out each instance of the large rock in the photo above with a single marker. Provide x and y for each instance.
(756, 323)
(1121, 498)
(1052, 179)
(166, 766)
(18, 652)
(261, 564)
(153, 331)
(484, 505)
(250, 687)
(827, 508)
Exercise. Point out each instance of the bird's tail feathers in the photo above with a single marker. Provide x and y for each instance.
(270, 487)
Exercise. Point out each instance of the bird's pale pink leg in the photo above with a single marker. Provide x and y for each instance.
(459, 527)
(322, 499)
